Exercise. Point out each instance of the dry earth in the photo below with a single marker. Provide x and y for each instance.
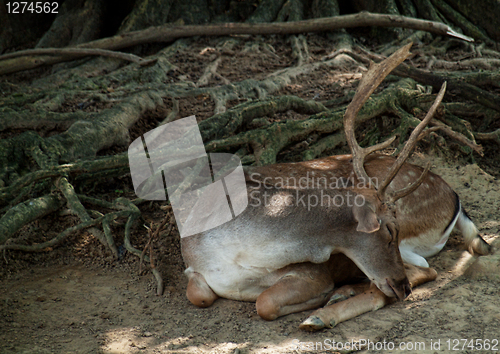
(76, 299)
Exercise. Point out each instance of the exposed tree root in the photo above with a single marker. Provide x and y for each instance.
(267, 142)
(10, 245)
(75, 53)
(465, 90)
(478, 63)
(211, 71)
(169, 33)
(153, 235)
(23, 213)
(494, 136)
(300, 50)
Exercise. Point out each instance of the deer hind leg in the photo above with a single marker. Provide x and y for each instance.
(474, 242)
(199, 292)
(419, 275)
(371, 299)
(302, 287)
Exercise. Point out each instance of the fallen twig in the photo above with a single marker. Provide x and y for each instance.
(149, 246)
(167, 33)
(77, 53)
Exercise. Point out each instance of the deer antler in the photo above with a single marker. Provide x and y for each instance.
(403, 155)
(368, 84)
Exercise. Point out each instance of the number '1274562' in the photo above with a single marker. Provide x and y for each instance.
(39, 7)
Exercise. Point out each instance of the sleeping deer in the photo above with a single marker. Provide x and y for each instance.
(311, 225)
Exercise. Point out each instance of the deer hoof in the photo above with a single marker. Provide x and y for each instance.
(313, 323)
(336, 298)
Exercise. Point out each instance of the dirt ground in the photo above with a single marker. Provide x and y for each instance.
(77, 299)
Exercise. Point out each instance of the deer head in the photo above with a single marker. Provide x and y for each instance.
(382, 216)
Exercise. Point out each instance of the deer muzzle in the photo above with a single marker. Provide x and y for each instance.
(400, 289)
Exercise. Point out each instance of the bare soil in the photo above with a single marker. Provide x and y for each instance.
(77, 299)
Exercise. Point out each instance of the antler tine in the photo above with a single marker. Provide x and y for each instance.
(370, 81)
(409, 189)
(410, 144)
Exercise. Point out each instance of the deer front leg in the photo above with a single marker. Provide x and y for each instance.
(302, 287)
(329, 316)
(370, 300)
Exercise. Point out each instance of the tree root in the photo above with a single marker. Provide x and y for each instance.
(300, 50)
(477, 63)
(267, 142)
(327, 143)
(493, 136)
(459, 137)
(168, 33)
(78, 209)
(26, 212)
(238, 117)
(211, 71)
(253, 89)
(464, 90)
(149, 247)
(31, 210)
(482, 78)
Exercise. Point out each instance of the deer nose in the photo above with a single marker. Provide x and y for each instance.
(401, 288)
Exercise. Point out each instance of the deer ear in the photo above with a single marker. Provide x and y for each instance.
(366, 218)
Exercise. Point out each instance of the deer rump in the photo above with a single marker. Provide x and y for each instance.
(280, 252)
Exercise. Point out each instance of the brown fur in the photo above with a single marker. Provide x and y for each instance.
(411, 210)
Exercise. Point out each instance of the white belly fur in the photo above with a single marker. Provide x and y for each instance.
(234, 271)
(237, 283)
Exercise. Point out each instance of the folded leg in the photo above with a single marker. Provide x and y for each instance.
(302, 287)
(368, 300)
(199, 292)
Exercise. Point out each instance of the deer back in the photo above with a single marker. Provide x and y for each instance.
(427, 211)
